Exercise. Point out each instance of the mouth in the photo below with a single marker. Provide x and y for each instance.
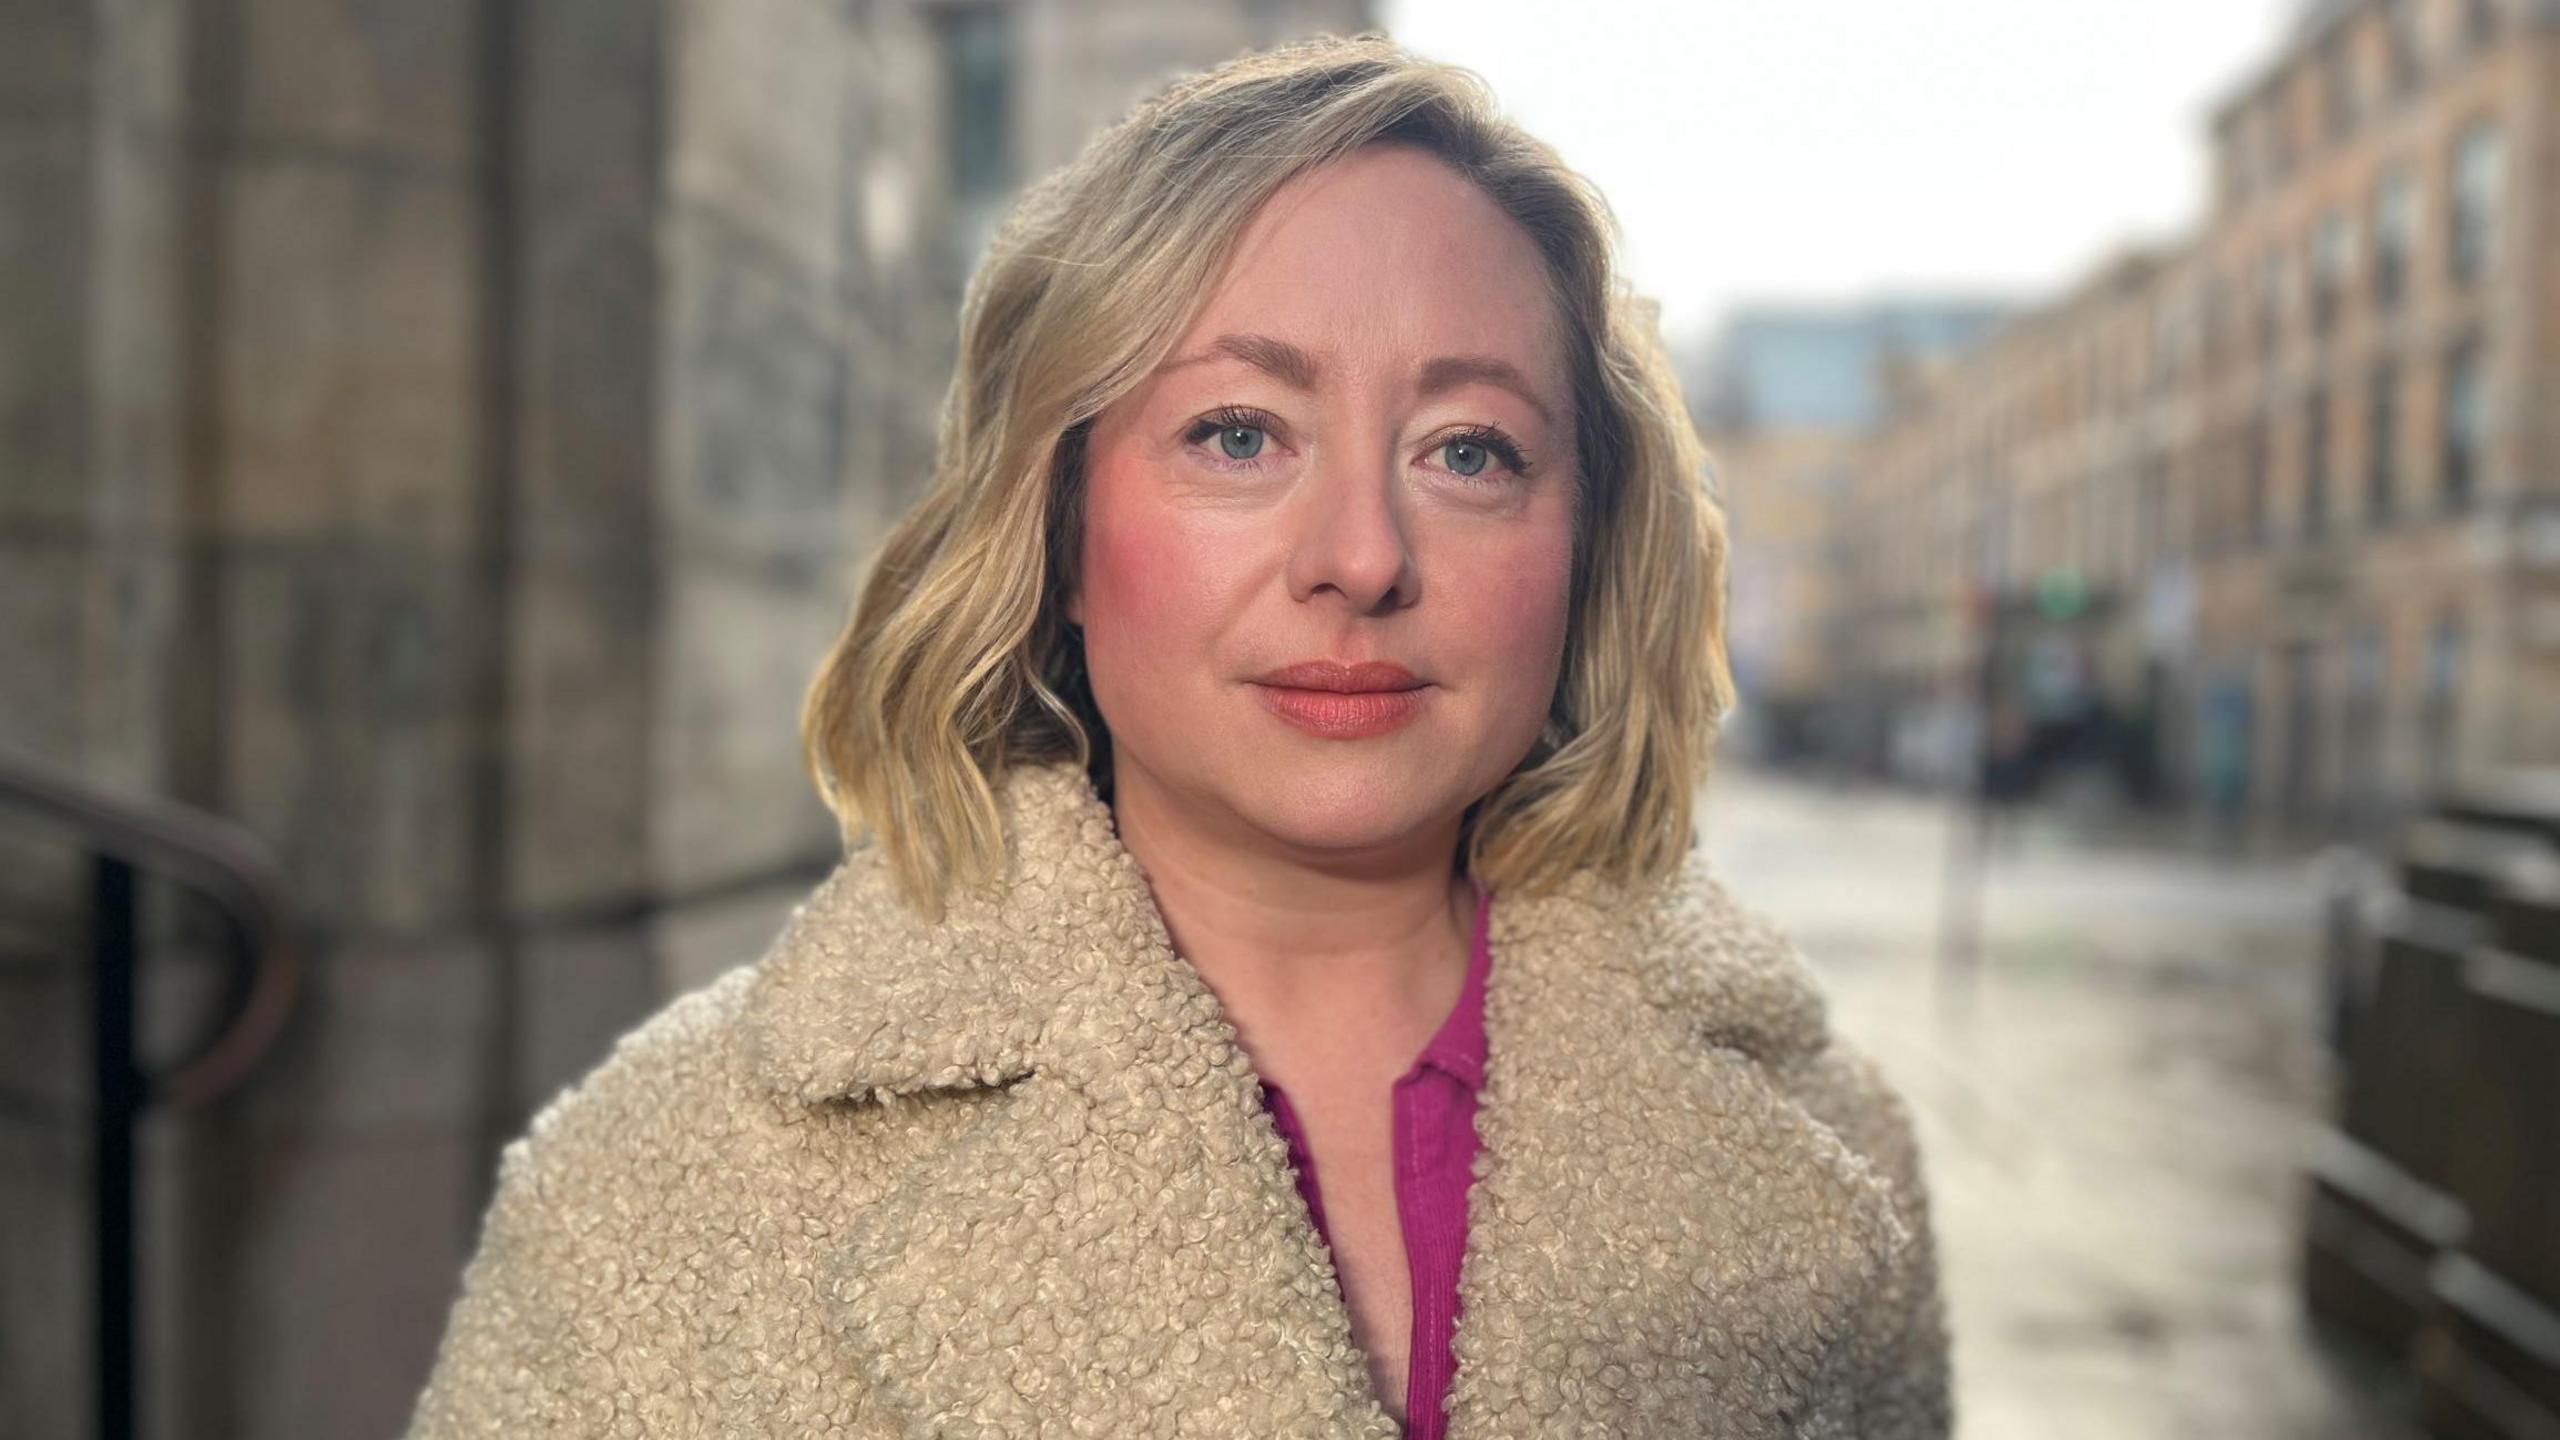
(1336, 677)
(1344, 714)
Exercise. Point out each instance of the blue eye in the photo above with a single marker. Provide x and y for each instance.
(1484, 442)
(1239, 433)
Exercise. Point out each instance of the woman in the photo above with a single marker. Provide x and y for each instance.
(1271, 988)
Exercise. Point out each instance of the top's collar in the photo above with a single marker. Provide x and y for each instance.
(860, 994)
(1458, 1046)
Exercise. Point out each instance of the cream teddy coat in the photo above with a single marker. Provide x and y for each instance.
(1010, 1175)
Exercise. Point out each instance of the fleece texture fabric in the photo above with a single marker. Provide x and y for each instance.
(1009, 1174)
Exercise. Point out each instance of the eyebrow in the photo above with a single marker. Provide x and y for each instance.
(1299, 370)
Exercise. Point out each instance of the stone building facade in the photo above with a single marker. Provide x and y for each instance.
(444, 438)
(2284, 494)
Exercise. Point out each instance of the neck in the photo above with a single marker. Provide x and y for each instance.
(1299, 945)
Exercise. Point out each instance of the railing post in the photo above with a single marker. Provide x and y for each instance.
(215, 859)
(119, 1096)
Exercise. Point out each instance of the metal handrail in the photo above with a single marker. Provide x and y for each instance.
(124, 837)
(216, 858)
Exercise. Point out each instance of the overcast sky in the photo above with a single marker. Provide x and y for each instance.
(1834, 150)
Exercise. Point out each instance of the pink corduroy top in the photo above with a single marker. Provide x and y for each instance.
(1435, 1151)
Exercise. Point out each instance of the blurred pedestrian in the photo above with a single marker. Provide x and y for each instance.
(2222, 750)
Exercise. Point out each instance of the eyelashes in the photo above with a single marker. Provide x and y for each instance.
(1491, 439)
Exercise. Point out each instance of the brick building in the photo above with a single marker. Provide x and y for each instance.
(2277, 504)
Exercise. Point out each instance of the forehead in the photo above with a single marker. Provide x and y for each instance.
(1384, 260)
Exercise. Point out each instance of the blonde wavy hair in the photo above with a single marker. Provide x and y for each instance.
(957, 661)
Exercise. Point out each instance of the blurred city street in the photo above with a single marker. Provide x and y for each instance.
(2113, 1127)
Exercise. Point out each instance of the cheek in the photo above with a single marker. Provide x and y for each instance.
(1124, 575)
(1518, 600)
(1145, 585)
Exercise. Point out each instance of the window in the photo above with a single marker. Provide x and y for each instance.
(2479, 174)
(2150, 515)
(2382, 441)
(2315, 462)
(2253, 479)
(2209, 323)
(2400, 27)
(2395, 235)
(2466, 424)
(2337, 84)
(2332, 252)
(977, 73)
(2479, 22)
(2270, 300)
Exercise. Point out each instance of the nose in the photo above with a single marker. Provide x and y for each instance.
(1348, 535)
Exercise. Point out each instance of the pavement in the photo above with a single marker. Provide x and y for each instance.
(2115, 1082)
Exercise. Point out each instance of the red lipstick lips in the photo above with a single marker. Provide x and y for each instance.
(1339, 701)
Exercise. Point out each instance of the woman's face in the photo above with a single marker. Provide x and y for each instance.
(1360, 451)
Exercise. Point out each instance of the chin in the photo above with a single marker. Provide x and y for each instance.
(1339, 804)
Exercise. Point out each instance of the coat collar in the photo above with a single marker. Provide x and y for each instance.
(1658, 1237)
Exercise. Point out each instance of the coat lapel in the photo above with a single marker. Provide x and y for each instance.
(1661, 1242)
(1111, 1242)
